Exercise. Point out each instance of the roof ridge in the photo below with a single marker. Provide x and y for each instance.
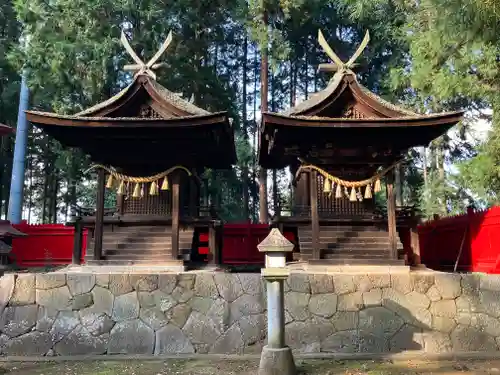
(106, 102)
(162, 91)
(319, 96)
(316, 97)
(177, 99)
(386, 103)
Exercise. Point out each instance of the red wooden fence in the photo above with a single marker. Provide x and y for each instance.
(44, 245)
(241, 240)
(52, 244)
(471, 240)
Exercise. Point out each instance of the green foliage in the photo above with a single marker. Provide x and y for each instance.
(431, 55)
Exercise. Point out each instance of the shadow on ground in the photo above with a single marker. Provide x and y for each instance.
(249, 367)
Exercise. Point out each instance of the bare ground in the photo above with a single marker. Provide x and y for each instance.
(248, 367)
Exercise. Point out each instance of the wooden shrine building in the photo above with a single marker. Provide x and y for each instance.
(151, 147)
(340, 143)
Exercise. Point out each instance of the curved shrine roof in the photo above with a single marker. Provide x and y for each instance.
(346, 115)
(145, 126)
(161, 91)
(336, 84)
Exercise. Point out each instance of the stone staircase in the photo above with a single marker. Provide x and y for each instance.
(348, 244)
(143, 244)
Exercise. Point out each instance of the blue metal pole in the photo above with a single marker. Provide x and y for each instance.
(17, 180)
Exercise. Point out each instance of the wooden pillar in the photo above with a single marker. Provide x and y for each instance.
(205, 197)
(193, 197)
(77, 242)
(391, 215)
(214, 243)
(301, 195)
(313, 190)
(99, 216)
(398, 185)
(415, 246)
(293, 190)
(218, 192)
(246, 196)
(120, 202)
(175, 214)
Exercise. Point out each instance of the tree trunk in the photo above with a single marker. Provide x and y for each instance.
(244, 171)
(306, 75)
(441, 174)
(398, 185)
(9, 142)
(30, 198)
(73, 177)
(46, 161)
(263, 213)
(255, 130)
(424, 167)
(2, 169)
(55, 190)
(276, 203)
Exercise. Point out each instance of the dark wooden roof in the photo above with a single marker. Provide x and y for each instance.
(145, 128)
(7, 230)
(346, 119)
(5, 130)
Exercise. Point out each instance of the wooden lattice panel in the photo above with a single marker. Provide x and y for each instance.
(148, 204)
(329, 205)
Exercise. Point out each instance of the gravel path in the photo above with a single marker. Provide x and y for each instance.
(243, 367)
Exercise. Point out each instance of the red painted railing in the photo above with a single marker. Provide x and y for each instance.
(241, 240)
(44, 245)
(240, 243)
(52, 244)
(471, 240)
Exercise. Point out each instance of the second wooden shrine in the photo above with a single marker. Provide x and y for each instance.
(340, 144)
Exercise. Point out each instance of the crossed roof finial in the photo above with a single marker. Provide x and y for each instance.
(338, 64)
(145, 68)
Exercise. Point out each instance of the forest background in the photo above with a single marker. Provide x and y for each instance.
(429, 55)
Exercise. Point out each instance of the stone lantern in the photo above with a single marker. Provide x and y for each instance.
(7, 232)
(276, 357)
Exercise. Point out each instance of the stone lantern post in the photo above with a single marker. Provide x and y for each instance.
(276, 357)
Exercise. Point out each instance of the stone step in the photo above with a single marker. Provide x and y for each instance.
(353, 244)
(138, 257)
(166, 265)
(326, 253)
(143, 228)
(358, 250)
(142, 253)
(116, 237)
(308, 234)
(145, 245)
(350, 228)
(364, 261)
(346, 255)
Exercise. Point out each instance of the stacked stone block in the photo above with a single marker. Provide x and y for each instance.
(80, 314)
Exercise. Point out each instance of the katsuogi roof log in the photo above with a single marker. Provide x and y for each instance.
(346, 115)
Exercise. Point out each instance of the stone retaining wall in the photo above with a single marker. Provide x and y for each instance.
(74, 314)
